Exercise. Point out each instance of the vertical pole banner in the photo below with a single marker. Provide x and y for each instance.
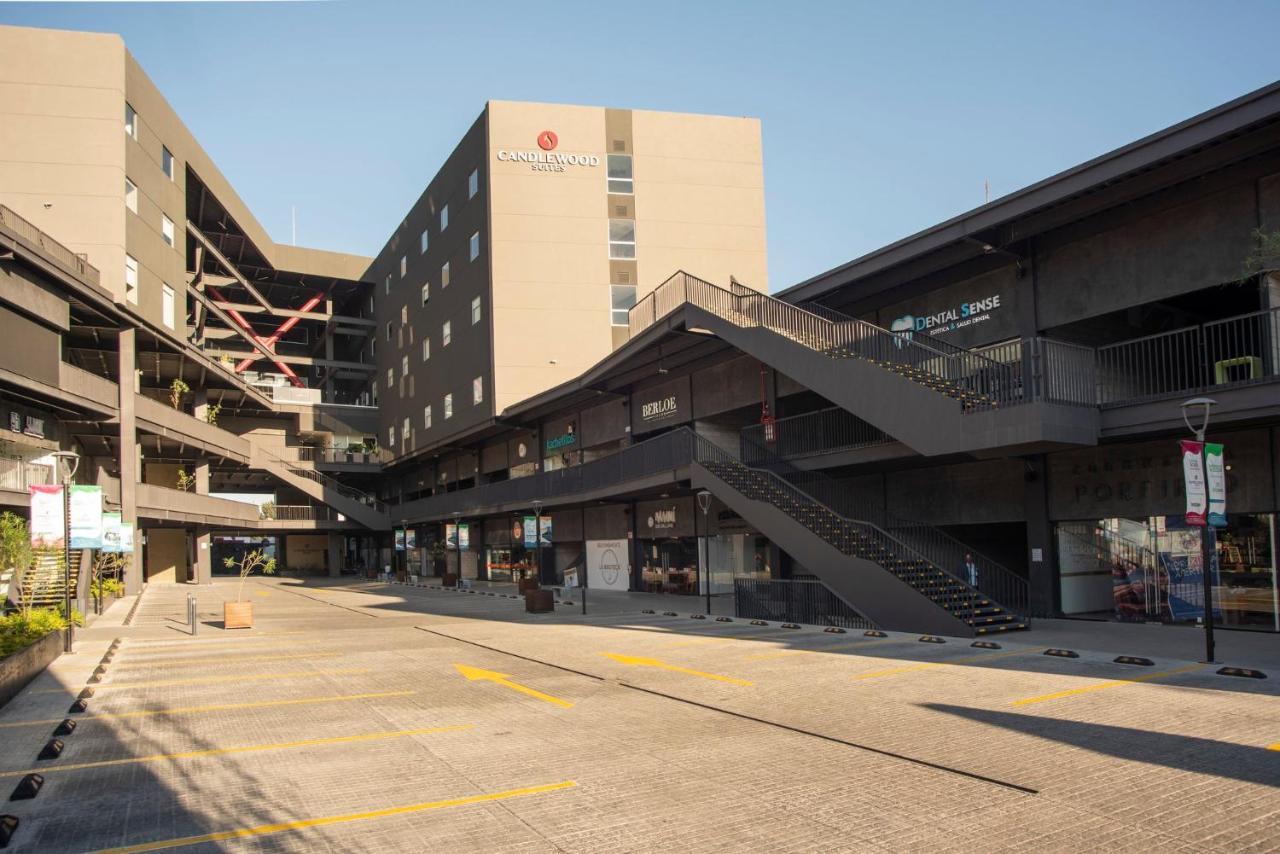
(1216, 475)
(46, 517)
(1193, 476)
(399, 532)
(111, 532)
(86, 517)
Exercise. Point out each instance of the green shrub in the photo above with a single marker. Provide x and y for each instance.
(21, 629)
(107, 587)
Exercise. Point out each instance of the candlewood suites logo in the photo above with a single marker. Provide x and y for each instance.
(655, 409)
(547, 159)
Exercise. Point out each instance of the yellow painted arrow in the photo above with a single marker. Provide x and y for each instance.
(637, 661)
(475, 674)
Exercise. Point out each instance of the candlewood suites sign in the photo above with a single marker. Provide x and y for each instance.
(547, 159)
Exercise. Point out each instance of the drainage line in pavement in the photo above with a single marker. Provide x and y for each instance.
(972, 775)
(318, 599)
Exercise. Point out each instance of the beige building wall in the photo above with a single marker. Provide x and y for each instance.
(698, 205)
(62, 141)
(166, 554)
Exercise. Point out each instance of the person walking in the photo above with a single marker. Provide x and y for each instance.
(970, 571)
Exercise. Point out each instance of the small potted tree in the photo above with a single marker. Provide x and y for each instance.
(239, 614)
(177, 391)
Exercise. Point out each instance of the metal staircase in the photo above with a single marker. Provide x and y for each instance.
(42, 584)
(884, 578)
(350, 502)
(932, 396)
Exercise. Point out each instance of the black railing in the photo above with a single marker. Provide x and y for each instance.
(823, 431)
(942, 550)
(795, 601)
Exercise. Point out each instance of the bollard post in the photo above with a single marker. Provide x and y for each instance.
(191, 614)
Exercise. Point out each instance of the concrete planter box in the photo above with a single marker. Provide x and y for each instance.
(450, 579)
(237, 615)
(23, 666)
(539, 602)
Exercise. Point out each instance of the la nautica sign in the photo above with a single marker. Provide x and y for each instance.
(547, 160)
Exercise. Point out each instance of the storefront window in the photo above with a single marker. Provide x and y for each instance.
(1150, 570)
(669, 565)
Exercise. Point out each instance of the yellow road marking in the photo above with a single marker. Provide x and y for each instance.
(280, 827)
(504, 679)
(216, 707)
(928, 665)
(230, 658)
(781, 653)
(718, 639)
(1275, 746)
(213, 680)
(262, 593)
(252, 748)
(638, 661)
(1102, 686)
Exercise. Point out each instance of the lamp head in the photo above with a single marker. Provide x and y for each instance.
(704, 500)
(1197, 408)
(68, 462)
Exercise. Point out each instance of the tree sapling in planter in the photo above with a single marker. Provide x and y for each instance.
(239, 614)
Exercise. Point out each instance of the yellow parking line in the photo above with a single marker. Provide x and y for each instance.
(252, 748)
(216, 707)
(926, 665)
(1275, 746)
(213, 680)
(230, 658)
(782, 653)
(718, 639)
(1102, 686)
(280, 827)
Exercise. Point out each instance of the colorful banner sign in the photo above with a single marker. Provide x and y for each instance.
(111, 532)
(530, 530)
(86, 517)
(47, 520)
(464, 536)
(544, 531)
(450, 535)
(126, 537)
(1193, 476)
(399, 539)
(1216, 475)
(411, 539)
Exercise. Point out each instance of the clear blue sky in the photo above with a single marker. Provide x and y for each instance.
(880, 119)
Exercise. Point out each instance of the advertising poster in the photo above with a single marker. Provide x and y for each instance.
(411, 539)
(464, 536)
(111, 532)
(544, 530)
(399, 539)
(450, 535)
(1216, 475)
(86, 517)
(1193, 476)
(126, 537)
(1181, 560)
(530, 532)
(608, 564)
(46, 517)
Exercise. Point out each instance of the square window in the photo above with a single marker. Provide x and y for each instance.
(404, 265)
(391, 436)
(404, 430)
(426, 293)
(166, 229)
(169, 308)
(166, 162)
(473, 183)
(404, 365)
(389, 330)
(448, 406)
(622, 238)
(619, 167)
(404, 314)
(444, 276)
(446, 334)
(424, 240)
(477, 390)
(444, 217)
(622, 298)
(426, 418)
(130, 121)
(130, 195)
(426, 349)
(475, 246)
(475, 311)
(131, 279)
(391, 377)
(386, 289)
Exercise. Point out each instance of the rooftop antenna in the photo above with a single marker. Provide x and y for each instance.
(986, 191)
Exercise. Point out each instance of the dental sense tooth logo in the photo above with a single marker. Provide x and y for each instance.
(948, 320)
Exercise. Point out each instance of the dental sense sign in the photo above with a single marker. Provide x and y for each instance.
(961, 316)
(546, 158)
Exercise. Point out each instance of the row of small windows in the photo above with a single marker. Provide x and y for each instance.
(168, 308)
(477, 397)
(472, 254)
(476, 314)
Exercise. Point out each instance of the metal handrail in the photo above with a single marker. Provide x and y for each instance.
(327, 482)
(821, 431)
(927, 541)
(30, 232)
(984, 382)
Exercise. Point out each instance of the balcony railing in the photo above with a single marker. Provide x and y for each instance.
(820, 432)
(311, 454)
(309, 396)
(33, 235)
(301, 513)
(18, 475)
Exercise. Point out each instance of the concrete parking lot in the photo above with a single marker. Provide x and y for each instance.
(358, 716)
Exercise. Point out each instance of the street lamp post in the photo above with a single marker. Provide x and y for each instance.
(1204, 405)
(68, 462)
(704, 503)
(537, 539)
(457, 547)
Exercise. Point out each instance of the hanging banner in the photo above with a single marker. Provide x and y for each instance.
(544, 530)
(411, 539)
(529, 529)
(1193, 476)
(46, 517)
(111, 533)
(126, 537)
(86, 517)
(1216, 475)
(450, 535)
(399, 539)
(464, 536)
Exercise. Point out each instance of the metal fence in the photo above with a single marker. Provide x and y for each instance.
(17, 475)
(823, 431)
(28, 231)
(794, 601)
